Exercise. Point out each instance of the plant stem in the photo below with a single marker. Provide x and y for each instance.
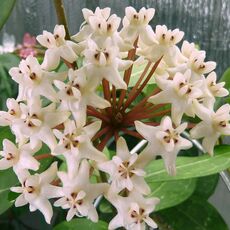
(131, 119)
(131, 56)
(139, 90)
(127, 74)
(144, 100)
(116, 135)
(161, 113)
(101, 132)
(104, 141)
(107, 94)
(69, 65)
(152, 123)
(132, 133)
(93, 112)
(60, 127)
(56, 182)
(146, 115)
(191, 125)
(156, 107)
(43, 156)
(106, 90)
(114, 102)
(60, 11)
(139, 109)
(132, 92)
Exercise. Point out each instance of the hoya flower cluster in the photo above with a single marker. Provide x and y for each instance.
(66, 112)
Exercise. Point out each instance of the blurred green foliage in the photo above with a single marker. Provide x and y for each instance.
(8, 87)
(6, 6)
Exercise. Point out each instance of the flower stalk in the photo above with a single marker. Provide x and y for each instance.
(61, 17)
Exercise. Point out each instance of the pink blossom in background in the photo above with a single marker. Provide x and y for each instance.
(29, 40)
(27, 47)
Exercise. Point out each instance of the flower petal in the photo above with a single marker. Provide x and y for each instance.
(44, 206)
(51, 59)
(122, 149)
(20, 201)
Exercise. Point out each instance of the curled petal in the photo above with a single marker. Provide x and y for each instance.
(49, 175)
(71, 213)
(51, 59)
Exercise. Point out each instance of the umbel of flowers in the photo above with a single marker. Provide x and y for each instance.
(67, 112)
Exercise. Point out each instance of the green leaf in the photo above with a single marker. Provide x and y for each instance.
(6, 6)
(46, 162)
(80, 61)
(193, 214)
(192, 152)
(9, 60)
(172, 193)
(109, 153)
(8, 87)
(7, 180)
(206, 186)
(83, 224)
(105, 206)
(5, 133)
(190, 167)
(149, 89)
(12, 196)
(226, 78)
(62, 67)
(63, 167)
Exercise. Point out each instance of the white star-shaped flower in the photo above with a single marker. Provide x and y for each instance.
(163, 140)
(188, 48)
(180, 93)
(57, 47)
(198, 66)
(36, 123)
(165, 46)
(17, 157)
(33, 81)
(212, 89)
(215, 89)
(99, 28)
(14, 112)
(36, 190)
(136, 24)
(212, 126)
(124, 170)
(133, 211)
(104, 63)
(193, 59)
(77, 93)
(79, 193)
(87, 30)
(75, 143)
(103, 13)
